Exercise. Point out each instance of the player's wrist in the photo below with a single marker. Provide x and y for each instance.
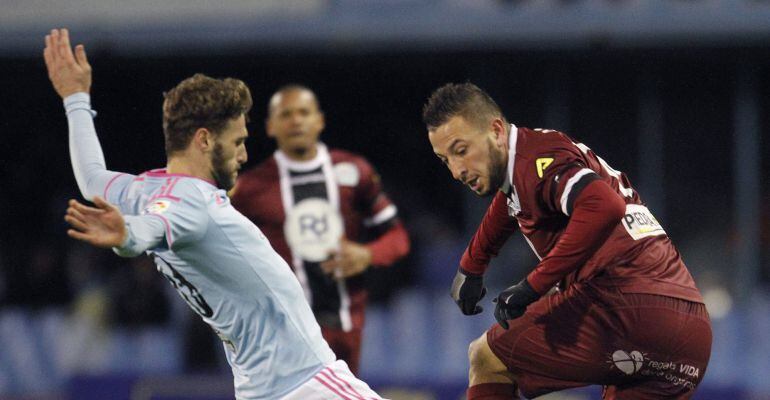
(470, 274)
(78, 101)
(528, 294)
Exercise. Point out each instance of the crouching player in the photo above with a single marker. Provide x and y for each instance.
(627, 314)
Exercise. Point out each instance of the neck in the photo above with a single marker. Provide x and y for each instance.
(188, 166)
(302, 154)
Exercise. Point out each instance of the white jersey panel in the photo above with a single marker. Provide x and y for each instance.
(225, 269)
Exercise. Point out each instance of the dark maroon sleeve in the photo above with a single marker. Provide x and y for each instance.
(496, 227)
(596, 212)
(389, 247)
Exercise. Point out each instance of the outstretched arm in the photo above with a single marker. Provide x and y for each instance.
(104, 226)
(70, 74)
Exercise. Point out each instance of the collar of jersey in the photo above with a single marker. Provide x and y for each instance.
(161, 173)
(512, 136)
(322, 154)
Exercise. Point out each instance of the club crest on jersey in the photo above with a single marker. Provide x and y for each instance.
(542, 164)
(313, 229)
(157, 207)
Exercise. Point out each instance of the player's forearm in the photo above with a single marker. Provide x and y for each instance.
(144, 232)
(391, 246)
(597, 211)
(88, 162)
(495, 229)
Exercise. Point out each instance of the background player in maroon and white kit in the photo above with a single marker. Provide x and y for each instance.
(304, 169)
(626, 315)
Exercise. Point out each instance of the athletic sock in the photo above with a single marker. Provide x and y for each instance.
(492, 391)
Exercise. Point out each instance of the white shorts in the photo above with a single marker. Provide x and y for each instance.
(334, 382)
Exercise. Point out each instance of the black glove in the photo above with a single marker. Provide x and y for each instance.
(467, 290)
(512, 302)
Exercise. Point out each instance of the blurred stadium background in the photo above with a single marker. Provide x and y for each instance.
(676, 93)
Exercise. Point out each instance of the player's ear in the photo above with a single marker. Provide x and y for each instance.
(203, 139)
(321, 120)
(501, 134)
(269, 127)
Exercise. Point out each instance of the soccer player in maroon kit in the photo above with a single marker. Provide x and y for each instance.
(610, 302)
(303, 168)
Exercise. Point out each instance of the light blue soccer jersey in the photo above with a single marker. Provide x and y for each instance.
(220, 264)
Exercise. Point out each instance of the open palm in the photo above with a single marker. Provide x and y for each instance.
(69, 72)
(101, 226)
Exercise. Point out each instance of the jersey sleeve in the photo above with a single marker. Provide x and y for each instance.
(392, 240)
(562, 175)
(597, 211)
(86, 155)
(378, 207)
(494, 230)
(175, 218)
(570, 184)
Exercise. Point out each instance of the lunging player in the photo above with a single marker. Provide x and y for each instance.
(627, 314)
(218, 261)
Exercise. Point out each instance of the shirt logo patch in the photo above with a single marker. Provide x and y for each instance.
(346, 174)
(542, 164)
(628, 362)
(313, 229)
(640, 223)
(158, 207)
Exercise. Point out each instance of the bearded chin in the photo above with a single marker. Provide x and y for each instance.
(222, 177)
(496, 175)
(223, 180)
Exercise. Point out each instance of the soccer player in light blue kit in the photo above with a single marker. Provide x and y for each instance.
(218, 261)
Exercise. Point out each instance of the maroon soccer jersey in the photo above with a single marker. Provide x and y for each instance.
(267, 191)
(547, 172)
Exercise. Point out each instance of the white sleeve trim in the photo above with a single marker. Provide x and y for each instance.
(570, 183)
(384, 215)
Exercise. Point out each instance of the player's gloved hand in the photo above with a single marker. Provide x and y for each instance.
(467, 290)
(512, 302)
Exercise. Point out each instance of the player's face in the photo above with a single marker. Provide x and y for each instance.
(475, 156)
(295, 121)
(229, 153)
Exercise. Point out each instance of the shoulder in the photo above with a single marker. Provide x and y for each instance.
(265, 168)
(533, 142)
(343, 156)
(193, 191)
(349, 166)
(541, 153)
(255, 177)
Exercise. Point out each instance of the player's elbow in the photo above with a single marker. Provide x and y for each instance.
(87, 192)
(615, 208)
(402, 244)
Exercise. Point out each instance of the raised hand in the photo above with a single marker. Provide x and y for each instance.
(69, 73)
(101, 226)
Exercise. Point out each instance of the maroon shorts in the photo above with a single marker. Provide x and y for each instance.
(346, 345)
(639, 346)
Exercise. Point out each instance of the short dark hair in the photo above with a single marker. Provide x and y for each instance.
(201, 102)
(291, 87)
(463, 99)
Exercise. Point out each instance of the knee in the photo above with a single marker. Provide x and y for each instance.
(485, 367)
(477, 351)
